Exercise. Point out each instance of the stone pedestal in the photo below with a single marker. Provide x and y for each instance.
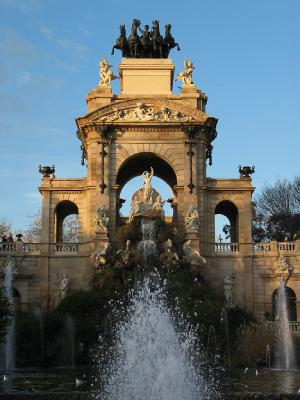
(100, 239)
(194, 237)
(146, 76)
(98, 97)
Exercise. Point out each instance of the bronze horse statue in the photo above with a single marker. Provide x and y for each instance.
(157, 40)
(122, 43)
(149, 44)
(169, 41)
(134, 41)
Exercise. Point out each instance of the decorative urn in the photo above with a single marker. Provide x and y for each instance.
(246, 171)
(46, 171)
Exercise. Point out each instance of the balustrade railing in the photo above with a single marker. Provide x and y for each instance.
(64, 248)
(226, 248)
(261, 247)
(7, 247)
(35, 248)
(294, 326)
(286, 246)
(31, 247)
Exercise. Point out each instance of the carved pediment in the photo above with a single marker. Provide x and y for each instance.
(144, 111)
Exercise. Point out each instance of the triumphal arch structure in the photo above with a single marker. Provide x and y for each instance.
(147, 125)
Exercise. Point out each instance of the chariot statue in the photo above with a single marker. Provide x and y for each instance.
(151, 44)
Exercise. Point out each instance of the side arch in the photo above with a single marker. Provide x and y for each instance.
(62, 210)
(230, 211)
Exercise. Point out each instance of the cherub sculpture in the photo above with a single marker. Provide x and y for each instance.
(186, 76)
(105, 73)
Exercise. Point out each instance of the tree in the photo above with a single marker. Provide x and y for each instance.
(5, 227)
(70, 229)
(33, 232)
(277, 211)
(34, 229)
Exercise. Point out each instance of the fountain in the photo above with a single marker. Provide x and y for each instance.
(9, 341)
(152, 357)
(285, 353)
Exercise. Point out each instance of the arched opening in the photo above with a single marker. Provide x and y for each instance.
(67, 225)
(291, 301)
(136, 183)
(226, 222)
(129, 180)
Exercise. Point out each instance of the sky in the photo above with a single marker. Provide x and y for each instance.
(246, 57)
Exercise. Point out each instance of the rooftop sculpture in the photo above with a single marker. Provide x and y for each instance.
(151, 44)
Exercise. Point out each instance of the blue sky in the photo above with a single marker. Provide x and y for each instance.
(246, 55)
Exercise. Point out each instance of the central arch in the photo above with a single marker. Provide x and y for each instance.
(135, 165)
(138, 163)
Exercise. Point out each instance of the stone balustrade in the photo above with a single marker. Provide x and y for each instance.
(32, 248)
(294, 326)
(7, 248)
(226, 248)
(261, 247)
(284, 247)
(63, 248)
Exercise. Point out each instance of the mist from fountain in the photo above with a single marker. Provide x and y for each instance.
(285, 352)
(154, 356)
(9, 340)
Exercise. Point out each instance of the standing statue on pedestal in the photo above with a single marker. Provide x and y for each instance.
(105, 73)
(147, 186)
(63, 286)
(147, 202)
(228, 289)
(186, 76)
(102, 219)
(192, 220)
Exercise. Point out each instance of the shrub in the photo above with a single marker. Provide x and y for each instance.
(251, 344)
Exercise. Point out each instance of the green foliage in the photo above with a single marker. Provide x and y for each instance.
(251, 342)
(5, 315)
(80, 304)
(204, 308)
(28, 339)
